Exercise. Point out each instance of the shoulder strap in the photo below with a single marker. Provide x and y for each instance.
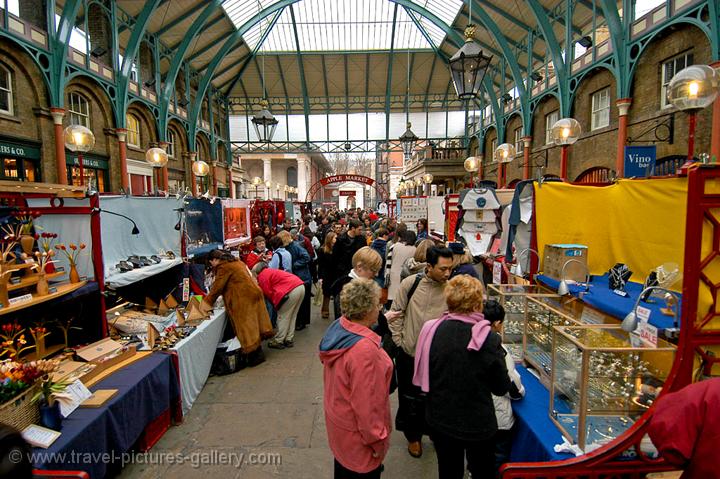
(280, 257)
(418, 278)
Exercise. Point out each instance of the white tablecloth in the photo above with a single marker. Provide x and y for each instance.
(195, 356)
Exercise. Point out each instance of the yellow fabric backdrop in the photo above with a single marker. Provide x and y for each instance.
(637, 222)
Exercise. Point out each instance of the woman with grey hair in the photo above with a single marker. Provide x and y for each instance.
(357, 373)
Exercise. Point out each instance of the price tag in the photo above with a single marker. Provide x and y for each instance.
(497, 272)
(643, 314)
(21, 299)
(648, 334)
(186, 289)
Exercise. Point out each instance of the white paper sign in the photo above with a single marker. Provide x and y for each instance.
(497, 272)
(73, 395)
(643, 314)
(648, 334)
(186, 290)
(21, 299)
(39, 436)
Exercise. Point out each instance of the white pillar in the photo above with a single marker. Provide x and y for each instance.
(267, 176)
(303, 167)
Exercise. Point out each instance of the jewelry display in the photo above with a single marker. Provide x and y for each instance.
(513, 297)
(601, 383)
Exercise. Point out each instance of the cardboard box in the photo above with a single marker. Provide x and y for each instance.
(104, 354)
(556, 255)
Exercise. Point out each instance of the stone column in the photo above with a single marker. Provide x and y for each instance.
(231, 184)
(527, 141)
(715, 128)
(164, 184)
(302, 165)
(60, 167)
(193, 181)
(214, 191)
(122, 148)
(623, 105)
(267, 176)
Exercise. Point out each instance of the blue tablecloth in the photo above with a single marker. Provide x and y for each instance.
(146, 389)
(601, 297)
(535, 433)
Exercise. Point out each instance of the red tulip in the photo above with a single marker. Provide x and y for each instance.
(73, 247)
(82, 245)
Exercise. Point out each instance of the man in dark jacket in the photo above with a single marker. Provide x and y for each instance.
(380, 245)
(347, 245)
(301, 268)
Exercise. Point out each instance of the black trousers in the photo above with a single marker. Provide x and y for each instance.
(303, 317)
(342, 472)
(451, 455)
(503, 445)
(410, 418)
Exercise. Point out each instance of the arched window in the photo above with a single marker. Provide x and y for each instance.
(133, 130)
(79, 108)
(6, 94)
(171, 144)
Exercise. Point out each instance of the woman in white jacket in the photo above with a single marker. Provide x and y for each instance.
(495, 313)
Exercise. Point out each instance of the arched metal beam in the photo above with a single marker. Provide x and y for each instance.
(388, 88)
(175, 66)
(620, 41)
(511, 60)
(303, 83)
(131, 51)
(61, 40)
(556, 53)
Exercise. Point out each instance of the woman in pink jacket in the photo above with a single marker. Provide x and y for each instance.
(357, 379)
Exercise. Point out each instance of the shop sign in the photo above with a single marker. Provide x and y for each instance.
(640, 160)
(347, 193)
(497, 272)
(19, 151)
(90, 162)
(648, 334)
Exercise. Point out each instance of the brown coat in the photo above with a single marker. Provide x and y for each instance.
(244, 304)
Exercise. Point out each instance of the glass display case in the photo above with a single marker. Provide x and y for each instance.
(542, 315)
(603, 379)
(513, 297)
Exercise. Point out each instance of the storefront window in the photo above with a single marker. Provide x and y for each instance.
(93, 177)
(19, 169)
(171, 144)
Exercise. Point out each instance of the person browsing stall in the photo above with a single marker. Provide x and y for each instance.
(286, 292)
(244, 303)
(460, 364)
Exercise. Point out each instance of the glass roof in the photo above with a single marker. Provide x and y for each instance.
(343, 25)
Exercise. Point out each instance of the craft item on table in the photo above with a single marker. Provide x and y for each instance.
(71, 397)
(618, 277)
(670, 305)
(151, 336)
(170, 301)
(150, 305)
(667, 275)
(650, 281)
(99, 398)
(163, 307)
(38, 436)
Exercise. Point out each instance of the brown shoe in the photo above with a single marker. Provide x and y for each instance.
(415, 448)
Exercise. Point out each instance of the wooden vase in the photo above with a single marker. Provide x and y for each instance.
(40, 348)
(74, 276)
(27, 242)
(43, 288)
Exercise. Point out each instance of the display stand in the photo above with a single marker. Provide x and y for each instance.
(697, 344)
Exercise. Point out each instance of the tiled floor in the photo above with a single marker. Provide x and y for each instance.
(272, 413)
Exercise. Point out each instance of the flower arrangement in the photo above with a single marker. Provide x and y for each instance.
(13, 340)
(25, 219)
(44, 258)
(10, 239)
(71, 251)
(39, 333)
(65, 327)
(46, 241)
(16, 377)
(50, 390)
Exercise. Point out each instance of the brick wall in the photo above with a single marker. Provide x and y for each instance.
(513, 170)
(546, 106)
(597, 147)
(100, 33)
(34, 12)
(147, 65)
